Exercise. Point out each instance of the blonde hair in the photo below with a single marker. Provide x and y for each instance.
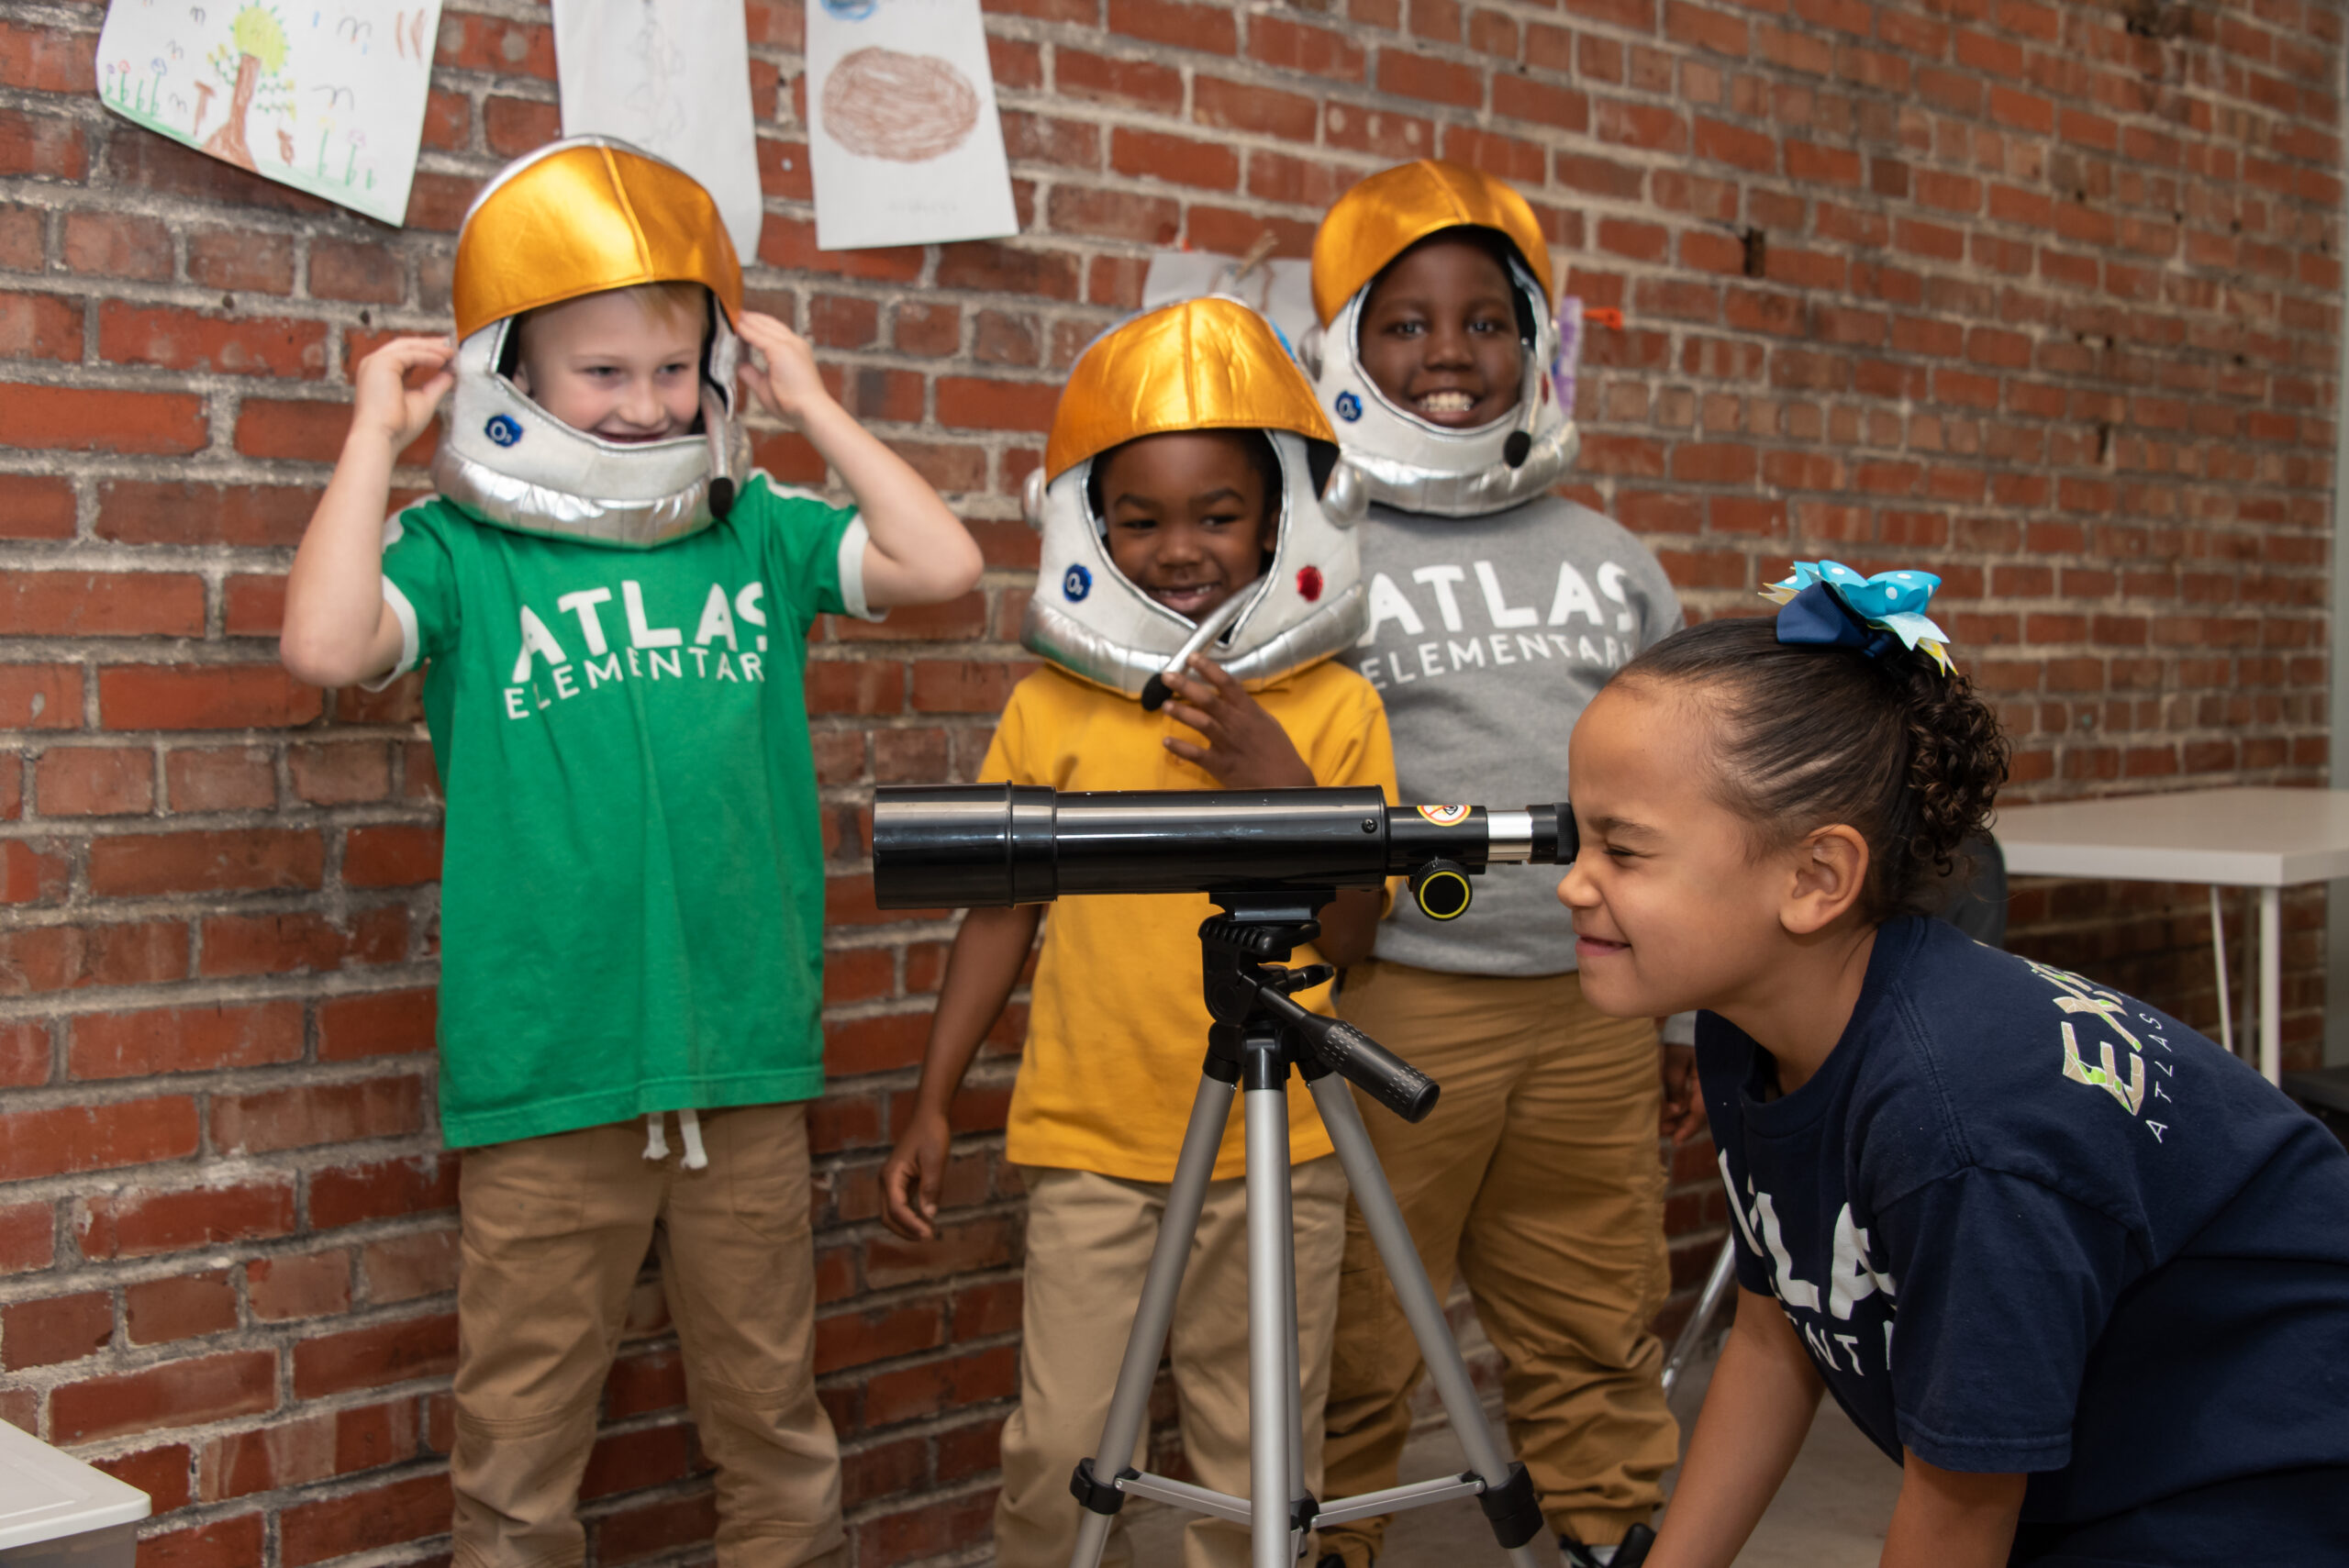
(676, 300)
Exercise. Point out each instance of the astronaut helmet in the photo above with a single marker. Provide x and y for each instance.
(1209, 363)
(580, 217)
(1407, 461)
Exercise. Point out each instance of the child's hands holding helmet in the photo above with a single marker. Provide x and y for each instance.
(383, 403)
(788, 381)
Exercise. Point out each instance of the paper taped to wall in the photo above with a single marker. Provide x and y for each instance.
(1279, 288)
(324, 95)
(903, 138)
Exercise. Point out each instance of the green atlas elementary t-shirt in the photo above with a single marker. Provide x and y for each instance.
(632, 884)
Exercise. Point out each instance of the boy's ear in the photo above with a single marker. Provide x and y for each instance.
(1828, 872)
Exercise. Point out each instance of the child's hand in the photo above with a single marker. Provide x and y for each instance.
(1246, 748)
(384, 402)
(913, 1174)
(788, 383)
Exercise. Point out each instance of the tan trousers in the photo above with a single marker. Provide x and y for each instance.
(554, 1231)
(1537, 1178)
(1089, 1239)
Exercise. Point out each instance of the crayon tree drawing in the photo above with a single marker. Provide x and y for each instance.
(324, 95)
(257, 48)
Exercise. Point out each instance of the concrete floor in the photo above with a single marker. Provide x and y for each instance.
(1832, 1512)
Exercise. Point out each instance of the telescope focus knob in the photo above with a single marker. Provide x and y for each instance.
(1441, 889)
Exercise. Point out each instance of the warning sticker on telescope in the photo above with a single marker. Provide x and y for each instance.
(1446, 816)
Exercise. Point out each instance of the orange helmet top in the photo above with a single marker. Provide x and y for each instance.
(583, 216)
(1202, 364)
(1396, 208)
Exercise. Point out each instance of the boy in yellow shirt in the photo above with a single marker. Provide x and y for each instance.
(1180, 475)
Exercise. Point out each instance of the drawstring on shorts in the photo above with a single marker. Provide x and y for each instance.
(656, 1139)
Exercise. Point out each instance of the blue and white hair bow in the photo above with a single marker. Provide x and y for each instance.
(1831, 606)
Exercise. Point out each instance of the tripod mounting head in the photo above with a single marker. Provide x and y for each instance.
(1240, 985)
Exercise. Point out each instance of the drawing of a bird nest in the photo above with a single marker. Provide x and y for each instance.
(907, 108)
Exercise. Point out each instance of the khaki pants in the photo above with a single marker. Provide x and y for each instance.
(554, 1231)
(1537, 1178)
(1089, 1239)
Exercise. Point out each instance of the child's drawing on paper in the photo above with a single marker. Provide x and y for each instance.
(905, 147)
(654, 99)
(907, 108)
(324, 96)
(254, 59)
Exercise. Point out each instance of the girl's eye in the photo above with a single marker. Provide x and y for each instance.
(1616, 854)
(1405, 328)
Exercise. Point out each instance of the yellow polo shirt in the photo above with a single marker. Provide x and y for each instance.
(1116, 1030)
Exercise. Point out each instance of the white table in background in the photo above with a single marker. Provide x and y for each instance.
(54, 1509)
(2265, 839)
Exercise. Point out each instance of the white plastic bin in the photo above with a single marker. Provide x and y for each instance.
(57, 1512)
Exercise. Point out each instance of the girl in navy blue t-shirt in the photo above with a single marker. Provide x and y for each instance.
(2081, 1272)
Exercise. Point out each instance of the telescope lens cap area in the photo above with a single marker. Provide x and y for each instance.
(1441, 889)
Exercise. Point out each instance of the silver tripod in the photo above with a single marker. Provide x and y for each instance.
(1257, 1035)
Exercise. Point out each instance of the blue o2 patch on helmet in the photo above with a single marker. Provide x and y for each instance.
(1076, 584)
(503, 428)
(1349, 406)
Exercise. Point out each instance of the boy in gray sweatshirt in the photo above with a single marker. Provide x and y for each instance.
(1496, 612)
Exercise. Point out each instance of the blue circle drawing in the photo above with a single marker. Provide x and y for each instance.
(502, 429)
(850, 10)
(1078, 584)
(1349, 408)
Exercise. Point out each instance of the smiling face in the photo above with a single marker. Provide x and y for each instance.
(1672, 908)
(1190, 515)
(1438, 334)
(624, 364)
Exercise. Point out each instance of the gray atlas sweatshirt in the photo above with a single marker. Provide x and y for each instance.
(1488, 636)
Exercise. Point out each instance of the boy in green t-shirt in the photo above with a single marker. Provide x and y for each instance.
(614, 614)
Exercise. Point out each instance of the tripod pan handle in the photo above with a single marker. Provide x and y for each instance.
(1376, 1071)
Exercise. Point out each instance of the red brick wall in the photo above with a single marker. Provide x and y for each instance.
(2042, 296)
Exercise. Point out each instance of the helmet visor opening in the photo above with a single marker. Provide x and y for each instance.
(715, 353)
(1263, 459)
(1528, 300)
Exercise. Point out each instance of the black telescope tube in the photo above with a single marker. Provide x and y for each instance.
(957, 846)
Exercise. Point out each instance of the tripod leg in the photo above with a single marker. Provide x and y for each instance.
(1692, 1333)
(1295, 1386)
(1129, 1405)
(1508, 1500)
(1272, 1322)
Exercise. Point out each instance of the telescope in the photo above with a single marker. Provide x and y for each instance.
(961, 846)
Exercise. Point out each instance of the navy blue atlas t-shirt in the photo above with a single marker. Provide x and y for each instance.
(2026, 1223)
